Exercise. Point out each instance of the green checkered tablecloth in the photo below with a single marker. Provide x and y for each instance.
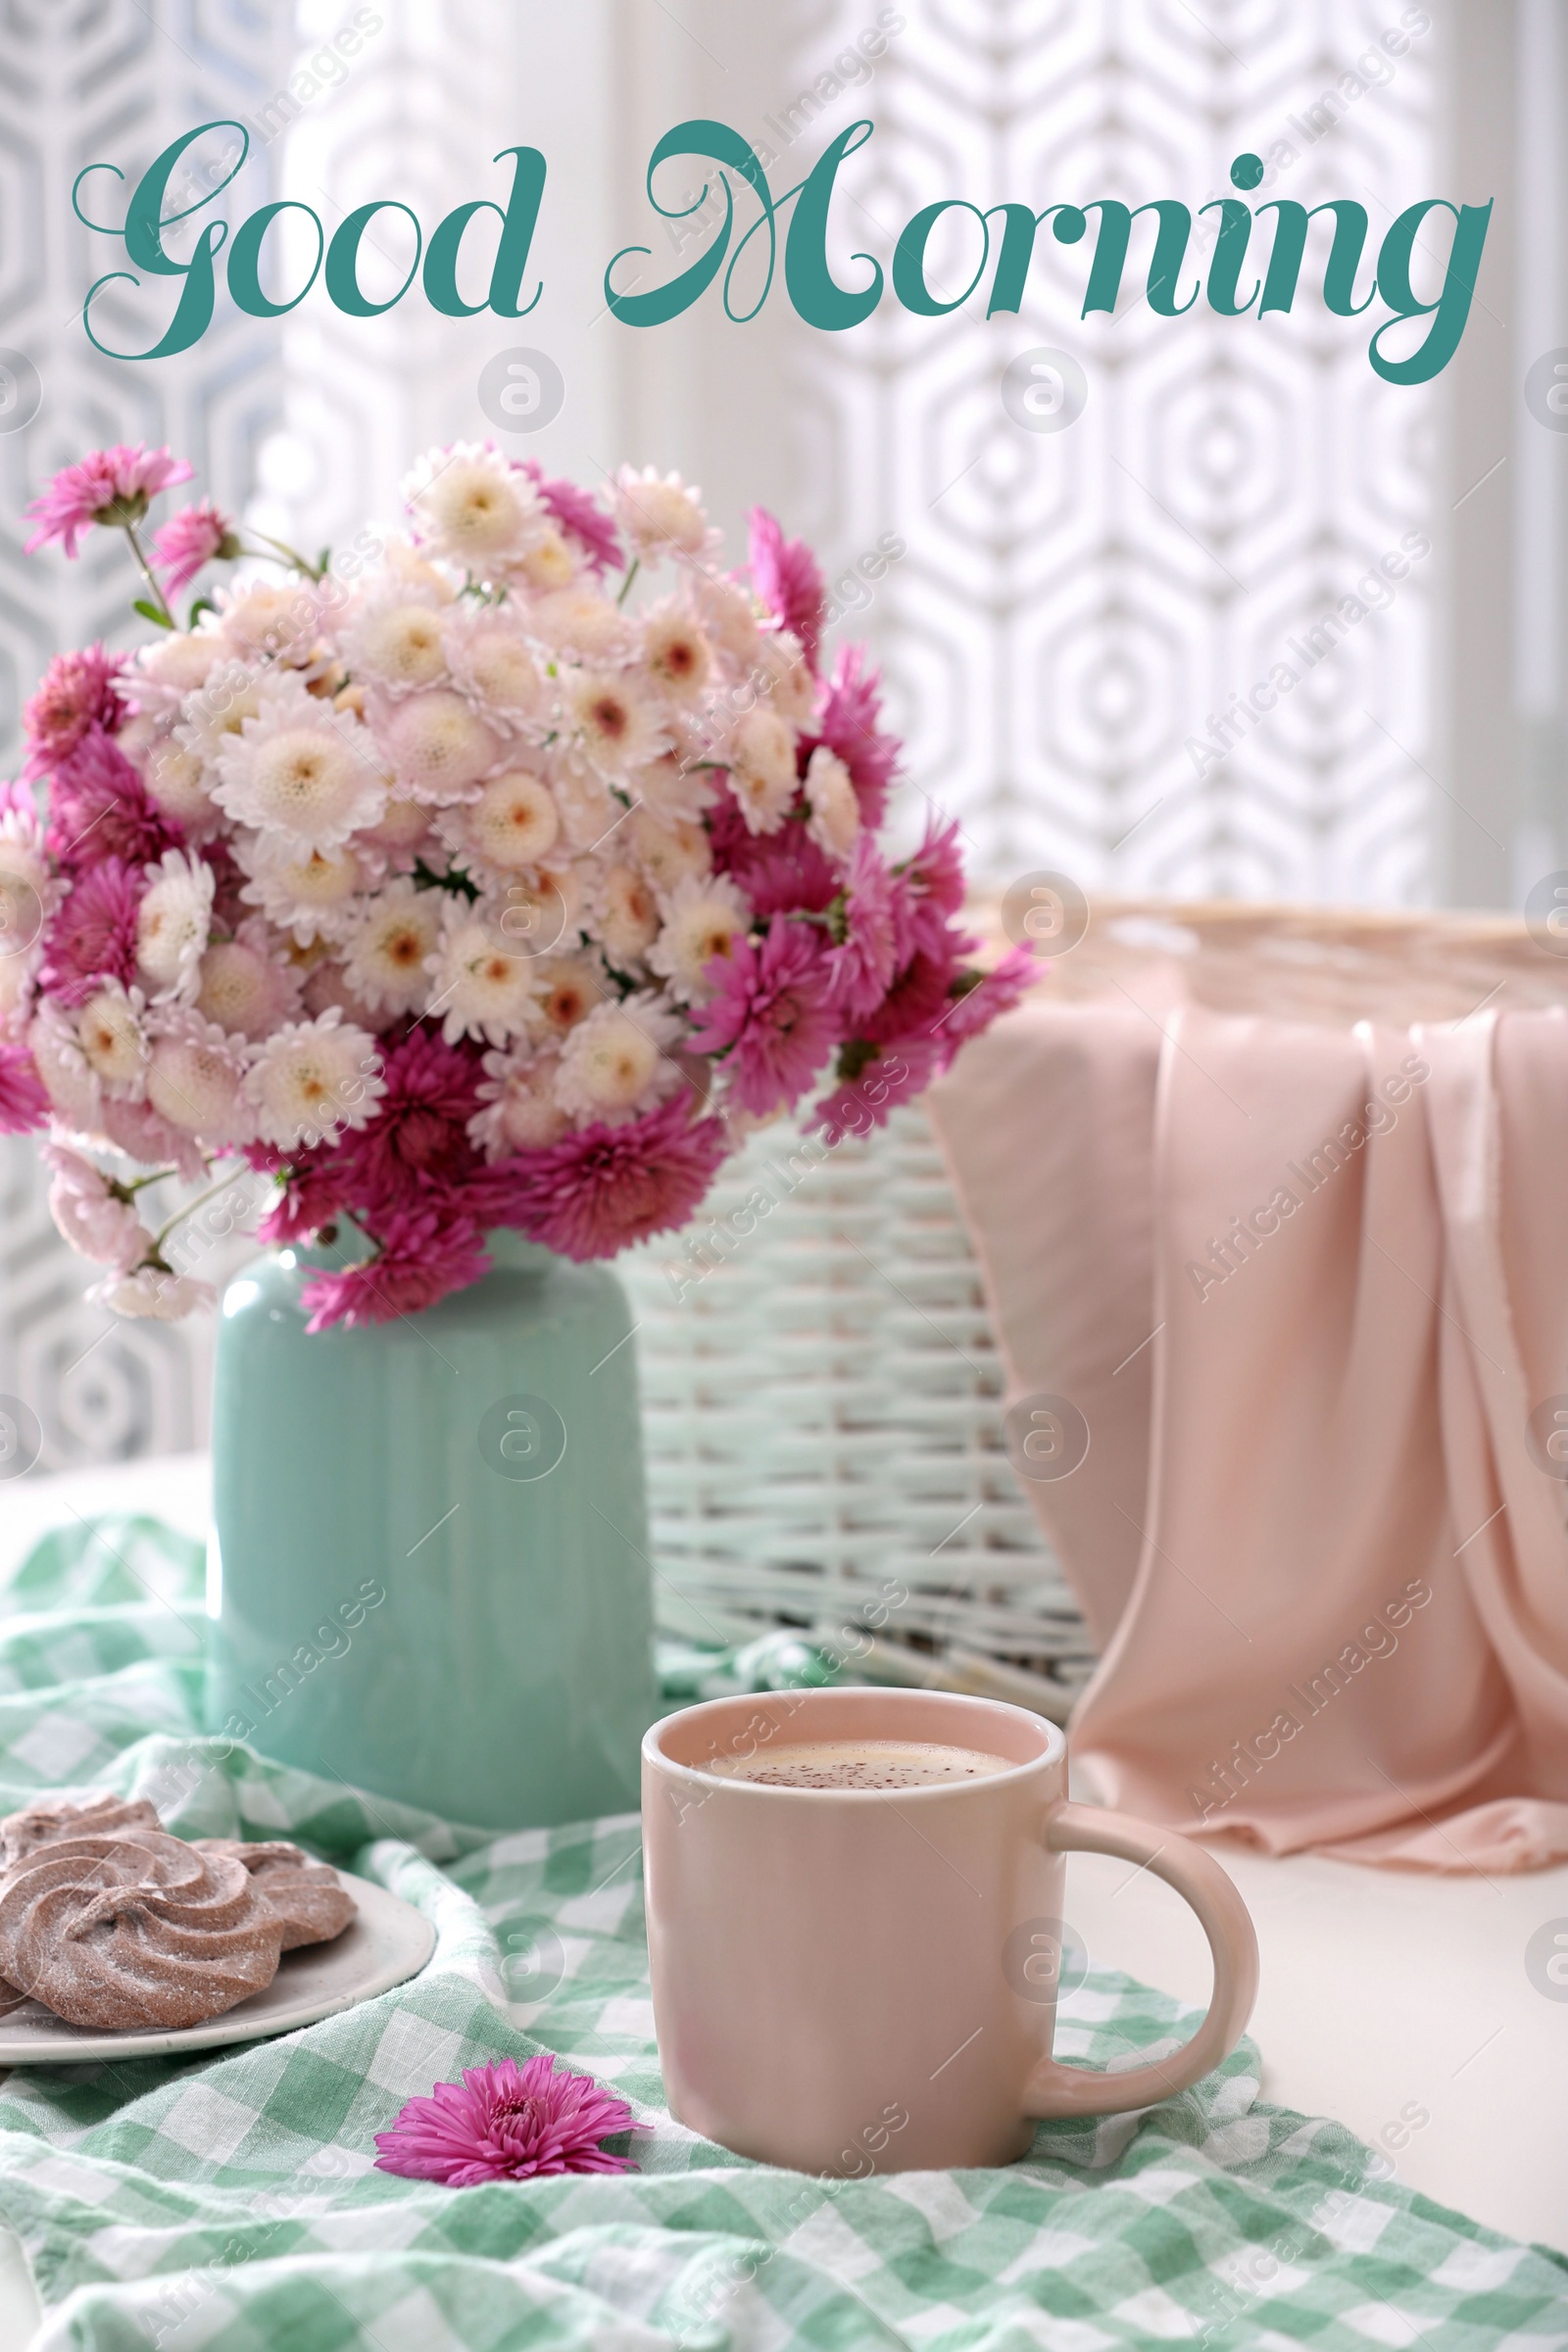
(229, 2200)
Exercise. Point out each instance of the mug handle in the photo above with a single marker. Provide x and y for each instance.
(1057, 2090)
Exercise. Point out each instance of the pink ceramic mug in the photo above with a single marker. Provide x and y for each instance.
(864, 1980)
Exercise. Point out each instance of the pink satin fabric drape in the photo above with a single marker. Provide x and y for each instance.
(1318, 1536)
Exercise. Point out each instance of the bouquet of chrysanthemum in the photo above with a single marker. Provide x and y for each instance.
(498, 875)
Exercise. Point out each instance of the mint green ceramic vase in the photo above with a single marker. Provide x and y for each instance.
(428, 1573)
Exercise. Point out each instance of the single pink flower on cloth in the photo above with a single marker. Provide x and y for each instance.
(579, 514)
(604, 1188)
(190, 539)
(93, 936)
(769, 1016)
(90, 1215)
(111, 486)
(423, 1257)
(99, 808)
(24, 1097)
(507, 2123)
(76, 693)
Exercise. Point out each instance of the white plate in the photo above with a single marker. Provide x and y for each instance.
(386, 1944)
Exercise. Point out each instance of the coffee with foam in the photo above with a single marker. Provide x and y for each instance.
(860, 1764)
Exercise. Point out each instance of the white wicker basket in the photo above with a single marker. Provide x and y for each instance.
(822, 1406)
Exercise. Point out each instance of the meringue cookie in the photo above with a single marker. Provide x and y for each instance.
(307, 1895)
(134, 1928)
(54, 1817)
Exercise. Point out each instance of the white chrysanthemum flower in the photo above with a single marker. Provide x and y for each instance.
(111, 1033)
(29, 894)
(514, 824)
(172, 923)
(676, 789)
(387, 965)
(17, 992)
(301, 772)
(272, 620)
(616, 1063)
(245, 987)
(676, 651)
(520, 1110)
(439, 748)
(835, 807)
(490, 659)
(480, 985)
(162, 674)
(570, 988)
(196, 1080)
(152, 1293)
(668, 853)
(549, 562)
(582, 621)
(589, 811)
(403, 561)
(312, 1079)
(661, 514)
(326, 987)
(213, 715)
(473, 508)
(178, 779)
(762, 769)
(783, 679)
(75, 1097)
(398, 837)
(539, 912)
(610, 716)
(396, 639)
(311, 897)
(705, 914)
(627, 919)
(731, 617)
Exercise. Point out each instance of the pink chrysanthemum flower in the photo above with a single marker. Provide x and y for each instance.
(916, 1002)
(778, 872)
(190, 539)
(417, 1143)
(789, 580)
(580, 517)
(891, 1074)
(847, 725)
(981, 998)
(76, 693)
(863, 963)
(110, 486)
(507, 2123)
(604, 1188)
(928, 893)
(423, 1255)
(769, 1016)
(23, 1098)
(99, 808)
(93, 936)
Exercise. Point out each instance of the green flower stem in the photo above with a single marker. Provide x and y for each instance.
(625, 585)
(189, 1208)
(148, 574)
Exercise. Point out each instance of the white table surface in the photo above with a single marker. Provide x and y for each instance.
(1386, 1996)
